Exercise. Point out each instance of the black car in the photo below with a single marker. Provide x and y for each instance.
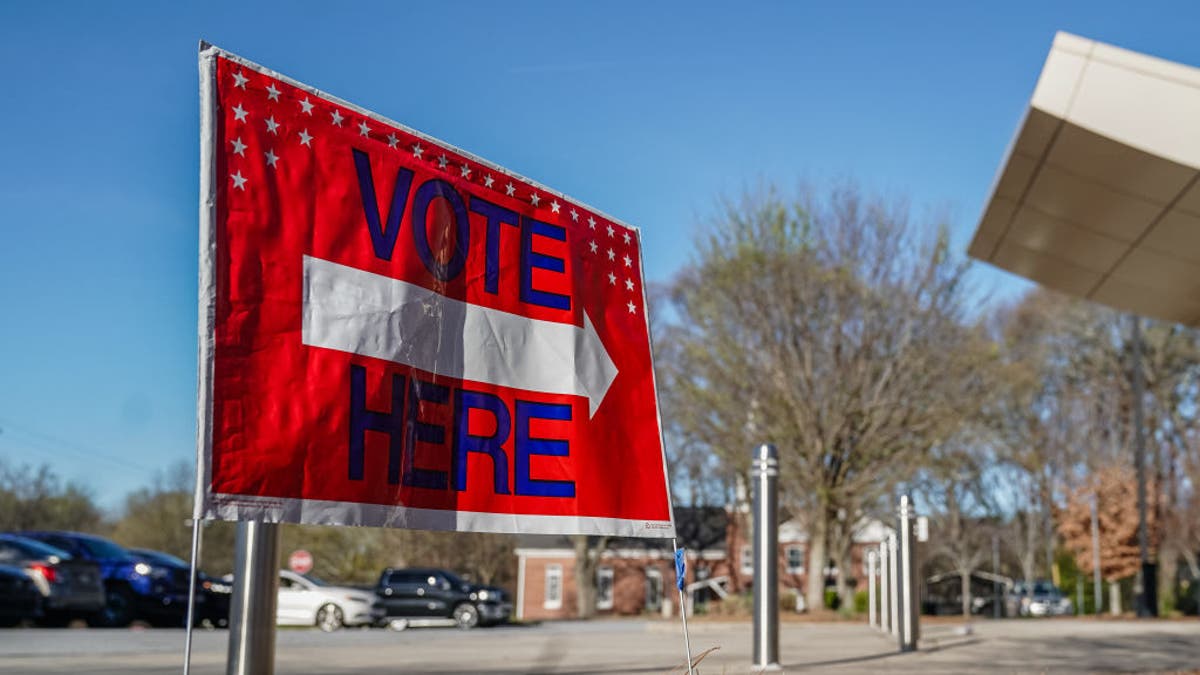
(19, 598)
(212, 595)
(133, 588)
(69, 587)
(429, 595)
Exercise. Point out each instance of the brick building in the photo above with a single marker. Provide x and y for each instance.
(636, 576)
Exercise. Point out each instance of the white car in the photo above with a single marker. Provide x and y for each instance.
(308, 601)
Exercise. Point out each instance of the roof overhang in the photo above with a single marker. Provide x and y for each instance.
(1098, 195)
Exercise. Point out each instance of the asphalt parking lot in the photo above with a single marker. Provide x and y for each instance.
(630, 647)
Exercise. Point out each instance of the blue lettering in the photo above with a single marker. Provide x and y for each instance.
(465, 442)
(382, 238)
(530, 260)
(424, 432)
(430, 190)
(363, 420)
(526, 446)
(495, 216)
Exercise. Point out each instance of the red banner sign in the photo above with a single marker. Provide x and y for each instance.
(396, 332)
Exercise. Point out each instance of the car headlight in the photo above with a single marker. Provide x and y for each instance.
(142, 569)
(484, 595)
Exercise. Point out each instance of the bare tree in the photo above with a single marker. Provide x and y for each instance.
(830, 328)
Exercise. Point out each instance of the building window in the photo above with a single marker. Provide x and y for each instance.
(553, 587)
(604, 588)
(654, 588)
(795, 560)
(747, 559)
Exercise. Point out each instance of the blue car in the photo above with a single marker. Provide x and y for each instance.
(133, 587)
(212, 595)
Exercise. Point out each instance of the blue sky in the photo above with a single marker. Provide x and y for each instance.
(648, 111)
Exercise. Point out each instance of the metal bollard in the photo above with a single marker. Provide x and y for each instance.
(893, 595)
(910, 605)
(765, 472)
(252, 614)
(871, 616)
(885, 613)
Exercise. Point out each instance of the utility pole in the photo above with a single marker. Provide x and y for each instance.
(1147, 587)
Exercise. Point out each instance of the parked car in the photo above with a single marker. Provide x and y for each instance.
(421, 594)
(19, 597)
(212, 595)
(133, 588)
(308, 601)
(1040, 598)
(69, 587)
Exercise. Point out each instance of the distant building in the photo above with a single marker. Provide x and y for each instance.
(636, 576)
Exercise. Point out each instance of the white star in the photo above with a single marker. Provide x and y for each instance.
(306, 107)
(612, 255)
(238, 181)
(337, 117)
(239, 113)
(417, 150)
(628, 261)
(271, 158)
(488, 180)
(610, 230)
(554, 206)
(510, 189)
(591, 222)
(272, 92)
(465, 171)
(632, 307)
(629, 284)
(392, 140)
(272, 125)
(612, 279)
(240, 80)
(305, 138)
(574, 215)
(239, 148)
(363, 129)
(534, 199)
(592, 245)
(442, 161)
(626, 237)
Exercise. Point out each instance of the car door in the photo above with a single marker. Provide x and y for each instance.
(295, 602)
(404, 594)
(440, 595)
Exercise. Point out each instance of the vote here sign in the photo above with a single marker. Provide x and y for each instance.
(395, 332)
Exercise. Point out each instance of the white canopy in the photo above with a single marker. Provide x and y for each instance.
(1098, 195)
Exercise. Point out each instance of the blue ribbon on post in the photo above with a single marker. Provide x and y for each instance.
(680, 568)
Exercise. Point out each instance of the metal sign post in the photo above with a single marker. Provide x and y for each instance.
(910, 630)
(885, 612)
(255, 589)
(893, 594)
(871, 615)
(765, 472)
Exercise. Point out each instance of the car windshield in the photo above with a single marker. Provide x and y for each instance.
(35, 549)
(102, 548)
(1043, 588)
(315, 580)
(454, 580)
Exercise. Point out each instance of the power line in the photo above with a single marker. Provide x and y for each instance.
(51, 444)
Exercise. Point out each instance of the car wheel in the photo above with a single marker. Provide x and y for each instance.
(117, 612)
(330, 618)
(466, 616)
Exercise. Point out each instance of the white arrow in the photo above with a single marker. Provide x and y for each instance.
(363, 313)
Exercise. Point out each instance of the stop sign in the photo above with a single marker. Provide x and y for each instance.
(300, 562)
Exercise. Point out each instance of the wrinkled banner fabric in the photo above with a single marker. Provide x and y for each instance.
(394, 332)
